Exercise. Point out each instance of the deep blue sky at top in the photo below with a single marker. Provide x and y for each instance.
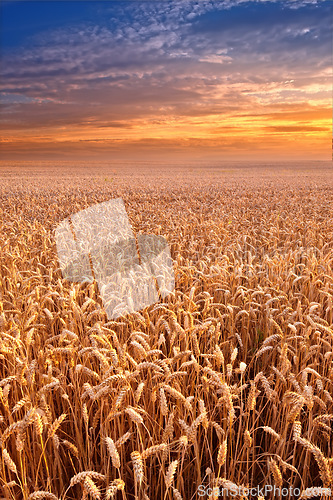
(22, 20)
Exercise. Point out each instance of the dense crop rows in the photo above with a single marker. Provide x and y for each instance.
(228, 381)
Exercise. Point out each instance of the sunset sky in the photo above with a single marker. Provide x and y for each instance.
(133, 80)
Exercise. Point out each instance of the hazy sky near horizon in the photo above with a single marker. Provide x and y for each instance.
(178, 79)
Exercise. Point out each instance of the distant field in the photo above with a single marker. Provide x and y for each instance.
(227, 383)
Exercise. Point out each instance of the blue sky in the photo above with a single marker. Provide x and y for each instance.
(229, 78)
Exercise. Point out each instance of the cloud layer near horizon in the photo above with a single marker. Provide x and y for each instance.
(223, 78)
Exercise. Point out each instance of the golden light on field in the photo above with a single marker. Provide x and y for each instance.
(225, 383)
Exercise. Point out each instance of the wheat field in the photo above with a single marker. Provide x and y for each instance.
(226, 382)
